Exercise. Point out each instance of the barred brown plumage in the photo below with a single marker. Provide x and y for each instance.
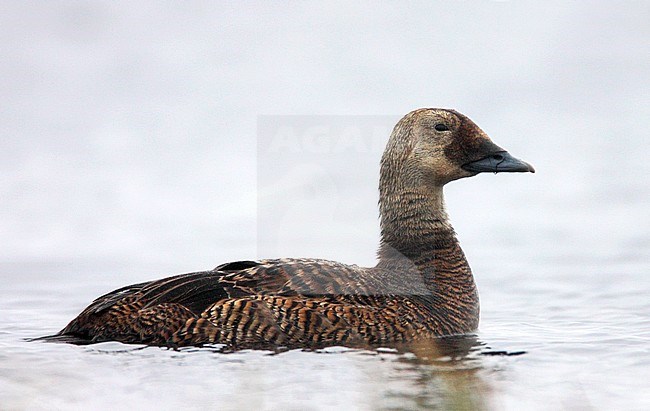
(422, 286)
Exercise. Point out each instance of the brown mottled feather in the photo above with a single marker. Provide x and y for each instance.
(422, 286)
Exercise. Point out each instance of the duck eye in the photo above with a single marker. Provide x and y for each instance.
(441, 127)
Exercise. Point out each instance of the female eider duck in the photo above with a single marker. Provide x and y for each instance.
(421, 288)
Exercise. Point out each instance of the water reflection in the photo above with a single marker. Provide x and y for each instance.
(450, 373)
(443, 374)
(447, 374)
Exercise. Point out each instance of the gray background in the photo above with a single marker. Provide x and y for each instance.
(129, 130)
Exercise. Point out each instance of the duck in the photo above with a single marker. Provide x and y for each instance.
(421, 288)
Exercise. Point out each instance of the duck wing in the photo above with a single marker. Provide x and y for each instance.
(284, 277)
(314, 278)
(196, 291)
(296, 277)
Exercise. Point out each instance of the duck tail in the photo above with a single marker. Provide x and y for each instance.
(62, 338)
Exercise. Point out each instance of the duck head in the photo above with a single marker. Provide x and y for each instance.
(435, 146)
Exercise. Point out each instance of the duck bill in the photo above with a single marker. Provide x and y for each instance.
(499, 162)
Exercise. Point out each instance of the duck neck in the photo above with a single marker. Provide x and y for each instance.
(415, 230)
(414, 223)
